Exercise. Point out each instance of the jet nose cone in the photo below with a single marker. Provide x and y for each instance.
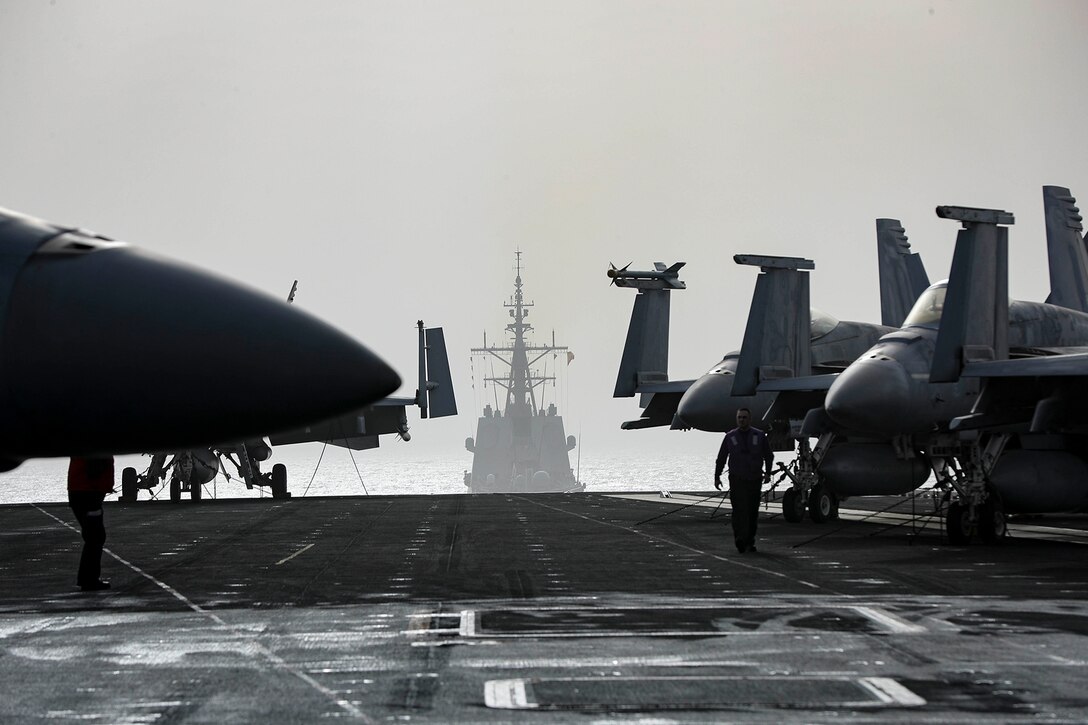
(707, 405)
(118, 351)
(870, 396)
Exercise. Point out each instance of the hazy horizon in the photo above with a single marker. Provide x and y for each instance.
(392, 156)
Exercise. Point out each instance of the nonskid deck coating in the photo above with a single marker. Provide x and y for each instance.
(531, 608)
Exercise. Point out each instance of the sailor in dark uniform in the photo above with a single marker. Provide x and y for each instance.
(89, 480)
(748, 454)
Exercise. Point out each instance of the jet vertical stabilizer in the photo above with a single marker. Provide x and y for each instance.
(1066, 247)
(902, 276)
(974, 321)
(440, 400)
(646, 352)
(777, 336)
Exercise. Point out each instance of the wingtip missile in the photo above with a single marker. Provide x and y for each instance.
(661, 277)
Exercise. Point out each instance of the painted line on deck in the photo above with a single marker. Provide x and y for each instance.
(284, 561)
(886, 619)
(1016, 530)
(271, 656)
(768, 572)
(514, 694)
(891, 692)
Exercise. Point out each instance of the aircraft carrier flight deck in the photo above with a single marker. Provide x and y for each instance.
(536, 608)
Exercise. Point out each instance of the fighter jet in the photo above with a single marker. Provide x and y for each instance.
(909, 389)
(710, 403)
(188, 471)
(93, 330)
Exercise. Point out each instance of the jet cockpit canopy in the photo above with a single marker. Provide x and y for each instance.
(927, 310)
(821, 323)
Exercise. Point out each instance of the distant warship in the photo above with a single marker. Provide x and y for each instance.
(521, 448)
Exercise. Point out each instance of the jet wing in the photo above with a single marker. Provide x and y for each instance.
(795, 397)
(1037, 394)
(669, 386)
(357, 430)
(1075, 364)
(659, 403)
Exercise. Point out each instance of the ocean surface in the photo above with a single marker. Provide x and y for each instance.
(316, 470)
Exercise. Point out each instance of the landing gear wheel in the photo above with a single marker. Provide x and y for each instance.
(128, 485)
(991, 521)
(196, 490)
(279, 481)
(958, 524)
(821, 504)
(793, 506)
(175, 489)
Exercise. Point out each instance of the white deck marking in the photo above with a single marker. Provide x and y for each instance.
(512, 694)
(1017, 530)
(268, 654)
(468, 623)
(651, 537)
(507, 695)
(891, 692)
(890, 621)
(283, 561)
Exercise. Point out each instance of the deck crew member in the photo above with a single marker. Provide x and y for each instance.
(748, 453)
(89, 480)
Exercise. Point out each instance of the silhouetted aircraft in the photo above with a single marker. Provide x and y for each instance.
(710, 403)
(1004, 434)
(188, 471)
(95, 334)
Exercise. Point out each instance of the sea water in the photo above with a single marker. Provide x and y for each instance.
(317, 470)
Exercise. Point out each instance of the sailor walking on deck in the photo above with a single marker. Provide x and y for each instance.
(89, 480)
(748, 453)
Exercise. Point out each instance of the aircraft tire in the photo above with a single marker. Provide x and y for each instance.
(279, 481)
(196, 492)
(175, 489)
(957, 524)
(821, 504)
(793, 506)
(129, 488)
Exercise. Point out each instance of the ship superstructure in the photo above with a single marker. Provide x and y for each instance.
(520, 444)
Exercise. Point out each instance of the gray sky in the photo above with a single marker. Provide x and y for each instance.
(391, 156)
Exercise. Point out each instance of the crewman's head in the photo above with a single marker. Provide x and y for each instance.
(744, 418)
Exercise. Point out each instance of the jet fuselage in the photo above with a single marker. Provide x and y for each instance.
(887, 391)
(709, 404)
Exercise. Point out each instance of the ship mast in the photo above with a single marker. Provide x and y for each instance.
(521, 382)
(519, 392)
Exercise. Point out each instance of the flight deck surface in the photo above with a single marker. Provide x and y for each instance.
(536, 608)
